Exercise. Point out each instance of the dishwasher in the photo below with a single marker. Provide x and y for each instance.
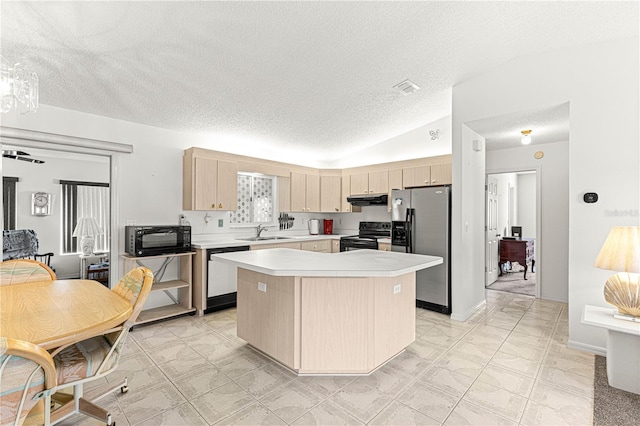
(222, 282)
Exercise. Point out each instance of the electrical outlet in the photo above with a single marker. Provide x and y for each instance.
(396, 289)
(220, 223)
(262, 287)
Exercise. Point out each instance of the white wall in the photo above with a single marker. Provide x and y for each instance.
(527, 204)
(414, 144)
(552, 246)
(467, 224)
(601, 82)
(44, 177)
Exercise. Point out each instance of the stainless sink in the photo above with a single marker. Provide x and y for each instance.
(263, 238)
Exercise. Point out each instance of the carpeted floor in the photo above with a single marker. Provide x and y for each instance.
(514, 282)
(611, 406)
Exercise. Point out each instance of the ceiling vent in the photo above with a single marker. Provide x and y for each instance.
(406, 87)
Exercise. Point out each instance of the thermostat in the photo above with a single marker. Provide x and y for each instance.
(590, 197)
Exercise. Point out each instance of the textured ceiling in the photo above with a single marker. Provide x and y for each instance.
(316, 77)
(546, 125)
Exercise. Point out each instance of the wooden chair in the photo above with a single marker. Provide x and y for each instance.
(95, 357)
(27, 373)
(20, 271)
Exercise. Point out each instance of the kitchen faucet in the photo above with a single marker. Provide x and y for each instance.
(259, 230)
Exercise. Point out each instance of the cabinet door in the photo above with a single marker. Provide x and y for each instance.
(416, 176)
(284, 194)
(379, 182)
(227, 190)
(335, 246)
(298, 191)
(360, 184)
(205, 176)
(395, 179)
(346, 191)
(313, 193)
(441, 174)
(323, 246)
(330, 194)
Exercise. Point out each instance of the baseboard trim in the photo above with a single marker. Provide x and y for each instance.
(597, 350)
(465, 316)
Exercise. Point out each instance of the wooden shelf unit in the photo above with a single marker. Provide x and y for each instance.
(184, 286)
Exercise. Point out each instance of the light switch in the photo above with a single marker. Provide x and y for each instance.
(396, 289)
(262, 287)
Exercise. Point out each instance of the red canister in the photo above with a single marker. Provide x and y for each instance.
(328, 226)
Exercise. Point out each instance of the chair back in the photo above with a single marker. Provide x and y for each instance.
(135, 287)
(20, 271)
(19, 243)
(25, 370)
(44, 258)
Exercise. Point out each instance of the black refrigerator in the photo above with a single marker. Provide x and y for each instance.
(421, 224)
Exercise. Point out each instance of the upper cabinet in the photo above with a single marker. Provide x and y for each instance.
(284, 194)
(435, 174)
(305, 192)
(330, 192)
(441, 174)
(370, 183)
(208, 183)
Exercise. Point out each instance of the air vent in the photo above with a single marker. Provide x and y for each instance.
(406, 87)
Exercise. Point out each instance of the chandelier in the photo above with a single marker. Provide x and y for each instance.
(18, 88)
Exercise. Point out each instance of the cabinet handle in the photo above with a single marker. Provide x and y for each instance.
(433, 181)
(213, 206)
(220, 205)
(426, 181)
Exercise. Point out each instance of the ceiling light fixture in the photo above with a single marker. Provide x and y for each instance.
(18, 88)
(526, 137)
(406, 87)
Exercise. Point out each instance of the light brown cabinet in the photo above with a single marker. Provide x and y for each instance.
(330, 191)
(295, 246)
(441, 174)
(322, 246)
(384, 246)
(435, 174)
(335, 246)
(209, 184)
(305, 192)
(284, 194)
(370, 183)
(346, 192)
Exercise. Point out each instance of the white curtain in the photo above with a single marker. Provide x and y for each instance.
(93, 201)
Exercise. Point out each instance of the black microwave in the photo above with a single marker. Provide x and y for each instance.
(156, 240)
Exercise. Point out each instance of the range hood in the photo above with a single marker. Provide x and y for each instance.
(368, 200)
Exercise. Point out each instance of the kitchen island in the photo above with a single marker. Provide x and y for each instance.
(327, 313)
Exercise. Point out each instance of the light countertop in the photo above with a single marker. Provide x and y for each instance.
(229, 241)
(356, 263)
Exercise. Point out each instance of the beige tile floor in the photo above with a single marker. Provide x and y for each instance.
(507, 365)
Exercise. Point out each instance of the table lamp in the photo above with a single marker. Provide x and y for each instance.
(87, 228)
(621, 252)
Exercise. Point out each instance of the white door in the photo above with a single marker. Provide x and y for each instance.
(491, 253)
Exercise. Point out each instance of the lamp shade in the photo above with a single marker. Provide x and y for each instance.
(87, 226)
(621, 250)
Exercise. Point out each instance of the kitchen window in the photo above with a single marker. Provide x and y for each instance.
(84, 199)
(256, 199)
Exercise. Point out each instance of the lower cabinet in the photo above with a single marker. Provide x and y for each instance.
(384, 246)
(322, 246)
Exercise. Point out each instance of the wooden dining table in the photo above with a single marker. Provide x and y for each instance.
(56, 313)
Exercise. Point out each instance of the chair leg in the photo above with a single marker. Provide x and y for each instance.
(92, 410)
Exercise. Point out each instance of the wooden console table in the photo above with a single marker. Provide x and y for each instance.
(520, 251)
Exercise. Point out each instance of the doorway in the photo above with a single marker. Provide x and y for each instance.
(511, 229)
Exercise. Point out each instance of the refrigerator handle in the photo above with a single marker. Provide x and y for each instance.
(410, 216)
